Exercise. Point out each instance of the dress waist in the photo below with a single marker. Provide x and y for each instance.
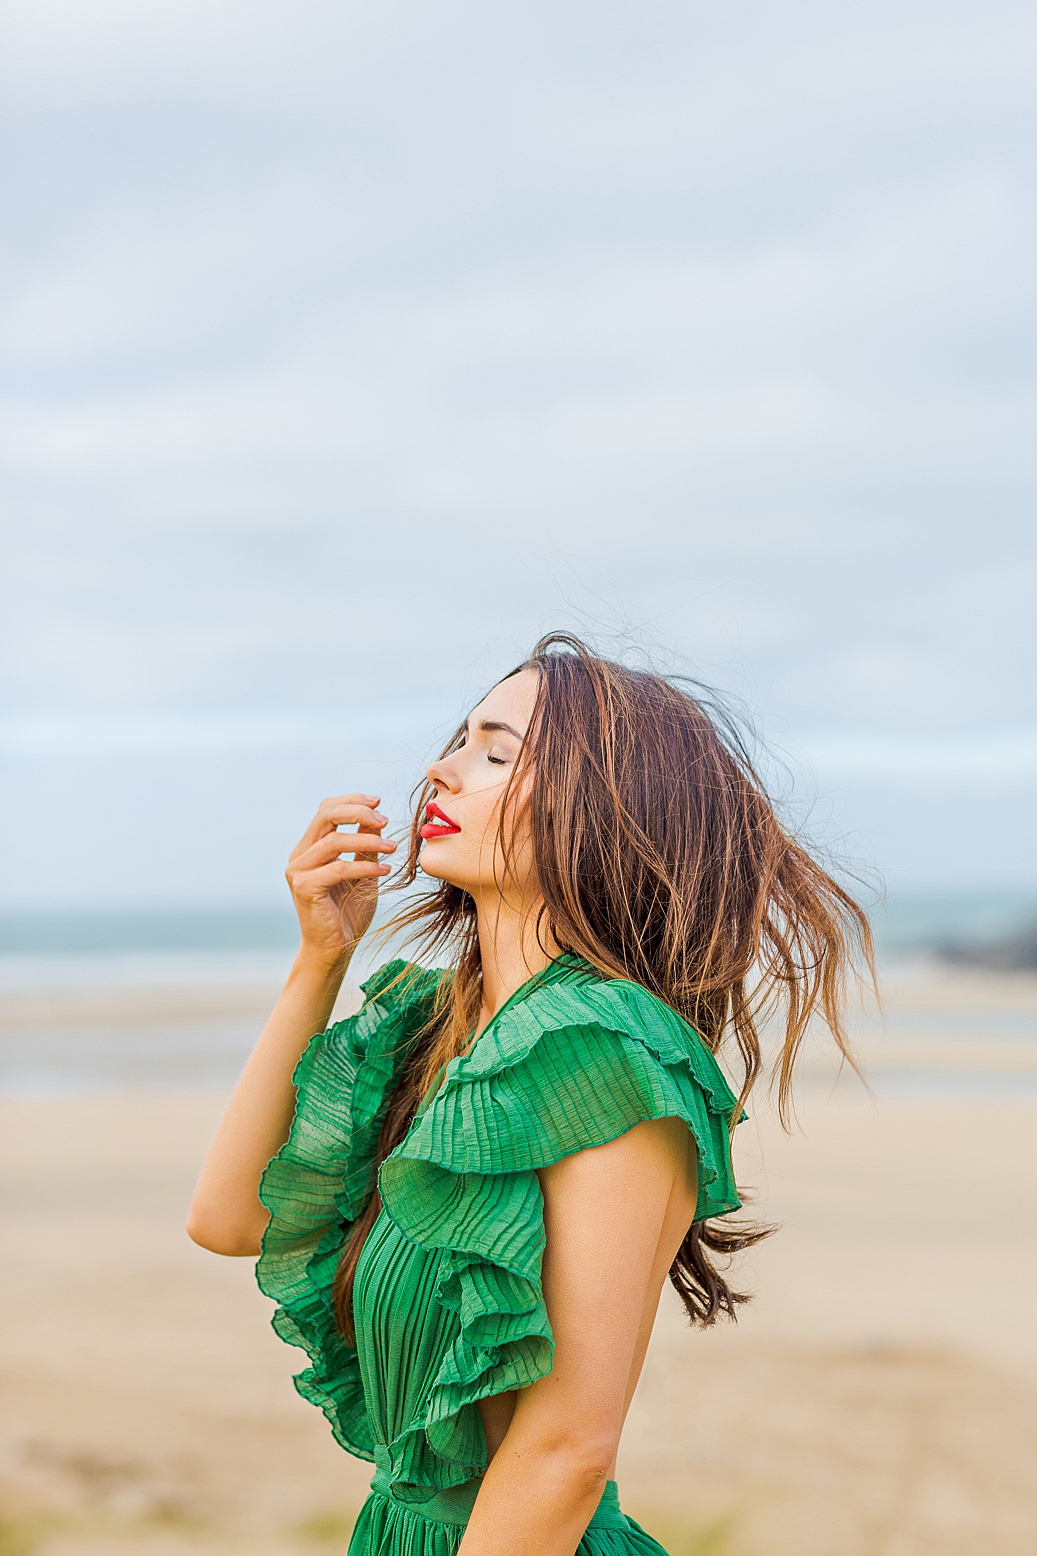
(454, 1506)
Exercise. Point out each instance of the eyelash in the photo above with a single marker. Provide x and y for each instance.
(498, 761)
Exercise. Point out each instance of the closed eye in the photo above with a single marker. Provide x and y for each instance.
(498, 761)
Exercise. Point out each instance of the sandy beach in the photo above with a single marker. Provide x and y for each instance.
(878, 1399)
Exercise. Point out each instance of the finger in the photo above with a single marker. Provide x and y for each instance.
(316, 861)
(336, 843)
(342, 810)
(339, 813)
(346, 811)
(313, 883)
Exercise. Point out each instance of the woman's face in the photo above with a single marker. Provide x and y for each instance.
(461, 825)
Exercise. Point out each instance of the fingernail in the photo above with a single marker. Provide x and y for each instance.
(379, 817)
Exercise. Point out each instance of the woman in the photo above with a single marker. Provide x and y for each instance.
(480, 1182)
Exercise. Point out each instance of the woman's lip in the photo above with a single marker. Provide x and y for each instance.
(446, 827)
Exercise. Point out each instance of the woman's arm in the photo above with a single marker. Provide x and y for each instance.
(611, 1214)
(335, 900)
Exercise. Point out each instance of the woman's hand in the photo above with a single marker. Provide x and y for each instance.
(335, 897)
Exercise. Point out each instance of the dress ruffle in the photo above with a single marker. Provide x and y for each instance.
(571, 1061)
(572, 1064)
(322, 1178)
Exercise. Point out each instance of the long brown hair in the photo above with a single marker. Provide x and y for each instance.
(659, 858)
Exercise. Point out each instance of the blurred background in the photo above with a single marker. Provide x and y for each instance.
(346, 350)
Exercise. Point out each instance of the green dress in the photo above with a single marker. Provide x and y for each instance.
(447, 1302)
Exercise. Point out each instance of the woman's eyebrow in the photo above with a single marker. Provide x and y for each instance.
(491, 726)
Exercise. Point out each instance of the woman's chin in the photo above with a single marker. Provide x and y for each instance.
(437, 867)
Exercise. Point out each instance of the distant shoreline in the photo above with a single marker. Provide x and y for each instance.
(959, 922)
(80, 1024)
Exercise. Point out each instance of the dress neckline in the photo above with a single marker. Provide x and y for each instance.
(562, 966)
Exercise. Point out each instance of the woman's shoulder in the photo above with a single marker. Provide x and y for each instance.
(343, 1082)
(400, 985)
(591, 1017)
(398, 1000)
(572, 1062)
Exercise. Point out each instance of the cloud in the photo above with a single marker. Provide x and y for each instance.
(195, 733)
(347, 348)
(978, 759)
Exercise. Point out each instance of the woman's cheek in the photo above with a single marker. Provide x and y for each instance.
(484, 825)
(485, 810)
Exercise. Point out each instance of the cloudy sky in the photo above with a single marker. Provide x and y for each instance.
(345, 348)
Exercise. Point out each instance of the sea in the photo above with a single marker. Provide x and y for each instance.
(103, 1001)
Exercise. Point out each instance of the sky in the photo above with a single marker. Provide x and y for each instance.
(345, 349)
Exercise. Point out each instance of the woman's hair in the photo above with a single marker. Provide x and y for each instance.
(658, 858)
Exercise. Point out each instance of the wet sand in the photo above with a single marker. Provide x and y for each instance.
(878, 1399)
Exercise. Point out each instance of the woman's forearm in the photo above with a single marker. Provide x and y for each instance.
(226, 1214)
(536, 1500)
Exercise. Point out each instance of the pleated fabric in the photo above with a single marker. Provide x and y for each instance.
(448, 1305)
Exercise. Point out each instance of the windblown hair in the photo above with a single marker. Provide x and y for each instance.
(659, 858)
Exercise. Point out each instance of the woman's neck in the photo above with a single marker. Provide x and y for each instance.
(511, 952)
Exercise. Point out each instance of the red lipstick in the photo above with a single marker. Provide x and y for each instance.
(437, 823)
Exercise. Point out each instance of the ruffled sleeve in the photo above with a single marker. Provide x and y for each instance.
(573, 1064)
(321, 1179)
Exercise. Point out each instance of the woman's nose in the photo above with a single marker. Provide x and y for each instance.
(441, 776)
